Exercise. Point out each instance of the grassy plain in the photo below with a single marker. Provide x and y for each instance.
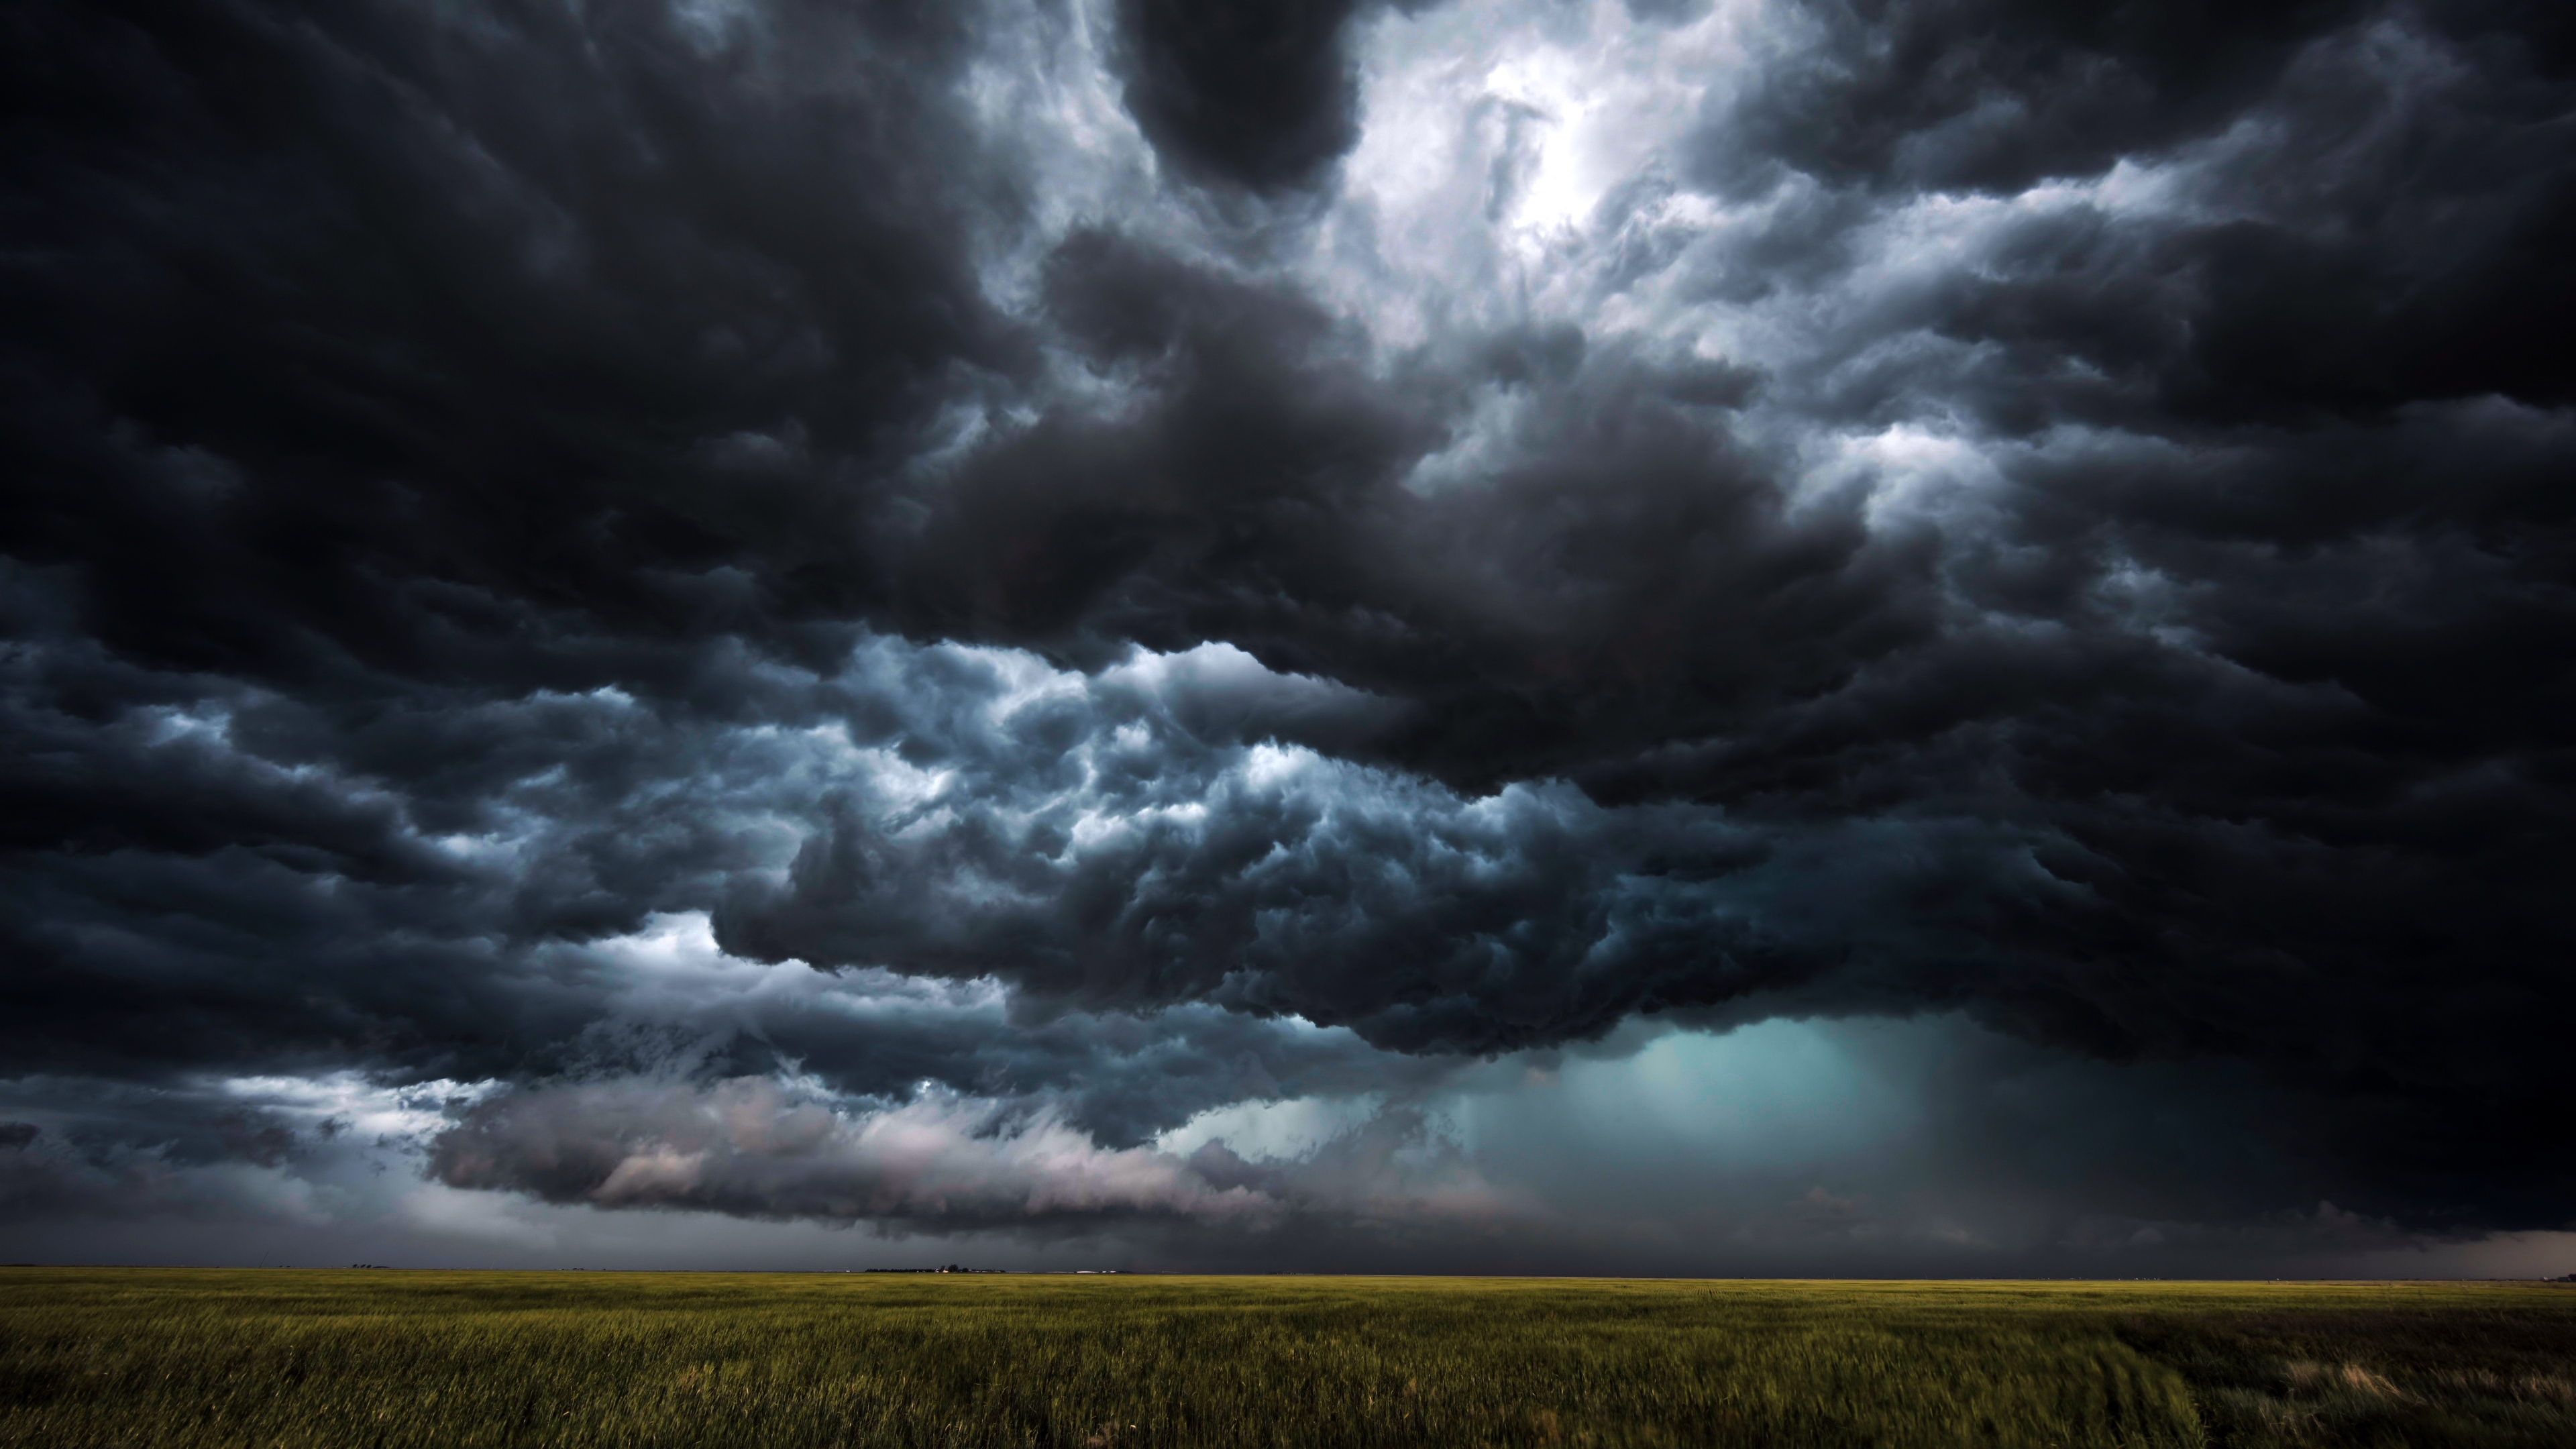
(286, 1359)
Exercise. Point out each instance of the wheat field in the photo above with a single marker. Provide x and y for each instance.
(286, 1359)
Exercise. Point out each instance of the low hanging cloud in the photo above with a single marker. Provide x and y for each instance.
(939, 1164)
(743, 1146)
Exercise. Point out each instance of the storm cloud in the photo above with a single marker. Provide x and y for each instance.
(861, 613)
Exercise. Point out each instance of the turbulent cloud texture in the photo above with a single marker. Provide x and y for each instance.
(858, 613)
(740, 1146)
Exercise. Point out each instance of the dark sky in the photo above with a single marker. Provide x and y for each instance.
(1508, 634)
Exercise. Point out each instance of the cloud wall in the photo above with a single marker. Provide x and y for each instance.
(861, 612)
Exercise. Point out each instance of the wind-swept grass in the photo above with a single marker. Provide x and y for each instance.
(308, 1358)
(2419, 1368)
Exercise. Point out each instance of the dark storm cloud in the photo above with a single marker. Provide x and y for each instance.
(364, 339)
(2001, 93)
(369, 372)
(292, 907)
(1258, 95)
(2383, 235)
(1257, 493)
(120, 1152)
(486, 486)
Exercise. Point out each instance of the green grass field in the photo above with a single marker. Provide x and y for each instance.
(283, 1359)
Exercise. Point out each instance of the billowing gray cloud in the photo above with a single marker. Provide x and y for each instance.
(741, 1146)
(745, 1147)
(1112, 560)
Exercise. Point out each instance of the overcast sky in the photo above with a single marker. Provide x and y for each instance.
(1771, 636)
